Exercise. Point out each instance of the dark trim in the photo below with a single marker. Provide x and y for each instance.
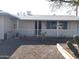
(35, 27)
(39, 28)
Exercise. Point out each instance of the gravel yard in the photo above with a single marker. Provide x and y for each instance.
(37, 52)
(29, 49)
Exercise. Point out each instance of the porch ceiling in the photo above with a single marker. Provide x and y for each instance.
(50, 17)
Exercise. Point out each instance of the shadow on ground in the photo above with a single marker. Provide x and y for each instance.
(8, 47)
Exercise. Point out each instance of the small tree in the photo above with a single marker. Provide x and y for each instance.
(60, 3)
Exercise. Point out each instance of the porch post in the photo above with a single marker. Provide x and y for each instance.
(36, 27)
(17, 25)
(57, 28)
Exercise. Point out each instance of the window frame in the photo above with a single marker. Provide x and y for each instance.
(64, 24)
(51, 24)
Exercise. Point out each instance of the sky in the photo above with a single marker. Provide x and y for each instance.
(37, 7)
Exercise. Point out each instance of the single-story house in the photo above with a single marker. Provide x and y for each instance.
(7, 25)
(35, 25)
(50, 25)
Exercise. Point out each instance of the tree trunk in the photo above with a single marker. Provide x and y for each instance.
(76, 10)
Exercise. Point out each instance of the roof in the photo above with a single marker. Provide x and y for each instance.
(42, 17)
(50, 17)
(2, 13)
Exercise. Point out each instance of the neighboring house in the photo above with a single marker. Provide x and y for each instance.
(35, 25)
(8, 24)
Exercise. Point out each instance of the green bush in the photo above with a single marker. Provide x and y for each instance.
(77, 40)
(72, 48)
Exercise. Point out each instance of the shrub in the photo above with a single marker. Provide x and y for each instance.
(72, 48)
(77, 40)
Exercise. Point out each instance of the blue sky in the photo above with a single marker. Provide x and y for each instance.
(37, 7)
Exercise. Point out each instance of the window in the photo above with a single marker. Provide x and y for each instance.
(14, 26)
(62, 25)
(51, 24)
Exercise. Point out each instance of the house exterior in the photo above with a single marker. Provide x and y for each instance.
(36, 25)
(51, 25)
(7, 25)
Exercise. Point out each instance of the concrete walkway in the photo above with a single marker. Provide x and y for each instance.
(8, 47)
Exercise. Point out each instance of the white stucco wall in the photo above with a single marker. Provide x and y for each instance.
(73, 26)
(27, 27)
(9, 24)
(1, 27)
(43, 24)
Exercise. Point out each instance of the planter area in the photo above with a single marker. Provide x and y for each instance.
(66, 51)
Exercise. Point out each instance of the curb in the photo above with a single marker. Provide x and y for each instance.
(64, 52)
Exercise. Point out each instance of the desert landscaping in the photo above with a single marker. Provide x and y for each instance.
(37, 52)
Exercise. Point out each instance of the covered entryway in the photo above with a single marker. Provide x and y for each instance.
(38, 25)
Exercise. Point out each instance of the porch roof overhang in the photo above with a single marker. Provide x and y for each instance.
(50, 17)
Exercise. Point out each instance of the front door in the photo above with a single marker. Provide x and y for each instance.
(37, 27)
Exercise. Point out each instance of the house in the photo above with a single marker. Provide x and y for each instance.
(51, 25)
(35, 25)
(7, 25)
